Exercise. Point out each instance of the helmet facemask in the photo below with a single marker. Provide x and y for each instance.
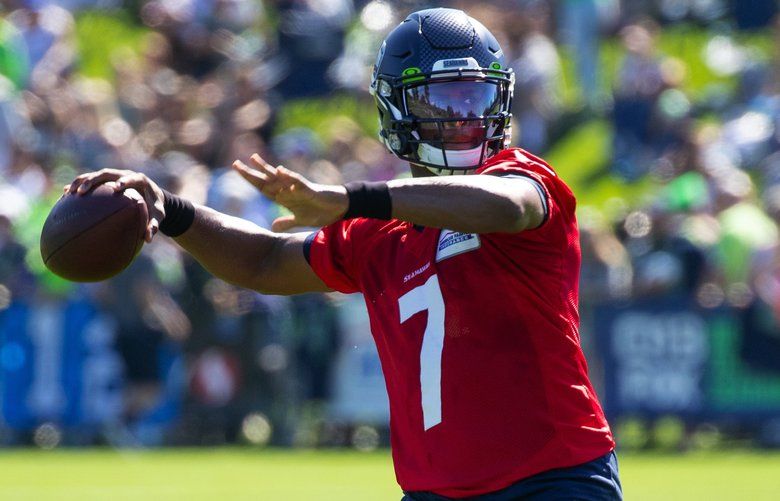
(449, 120)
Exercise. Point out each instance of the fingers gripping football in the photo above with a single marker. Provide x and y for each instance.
(153, 196)
(122, 180)
(86, 182)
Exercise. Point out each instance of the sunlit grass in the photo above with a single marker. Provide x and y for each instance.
(244, 474)
(197, 474)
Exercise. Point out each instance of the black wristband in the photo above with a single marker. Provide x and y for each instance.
(368, 200)
(179, 215)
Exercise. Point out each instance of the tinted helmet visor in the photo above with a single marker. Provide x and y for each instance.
(451, 114)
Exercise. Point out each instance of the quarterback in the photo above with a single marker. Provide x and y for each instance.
(469, 271)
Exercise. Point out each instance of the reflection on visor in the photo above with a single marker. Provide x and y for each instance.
(450, 100)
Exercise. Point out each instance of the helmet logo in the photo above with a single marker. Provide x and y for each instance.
(408, 75)
(495, 65)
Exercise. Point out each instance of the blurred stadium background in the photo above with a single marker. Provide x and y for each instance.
(663, 116)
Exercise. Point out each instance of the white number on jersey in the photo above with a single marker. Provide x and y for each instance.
(428, 297)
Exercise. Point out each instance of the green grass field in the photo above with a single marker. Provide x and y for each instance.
(238, 474)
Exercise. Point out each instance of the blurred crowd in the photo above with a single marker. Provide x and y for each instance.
(210, 81)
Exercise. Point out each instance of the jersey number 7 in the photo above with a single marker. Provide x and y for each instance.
(428, 297)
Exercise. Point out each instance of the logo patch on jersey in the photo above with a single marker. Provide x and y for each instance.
(452, 243)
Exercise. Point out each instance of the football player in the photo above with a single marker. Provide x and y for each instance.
(469, 272)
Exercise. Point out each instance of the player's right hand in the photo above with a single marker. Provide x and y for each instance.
(122, 180)
(310, 204)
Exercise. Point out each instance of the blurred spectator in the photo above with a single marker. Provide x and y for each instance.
(752, 14)
(538, 73)
(146, 315)
(607, 271)
(15, 280)
(761, 303)
(13, 54)
(45, 32)
(579, 27)
(639, 84)
(311, 36)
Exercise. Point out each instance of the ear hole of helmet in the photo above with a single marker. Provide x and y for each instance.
(399, 142)
(399, 138)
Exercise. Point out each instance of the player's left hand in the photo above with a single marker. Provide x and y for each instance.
(311, 204)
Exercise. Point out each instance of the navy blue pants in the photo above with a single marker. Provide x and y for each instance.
(591, 481)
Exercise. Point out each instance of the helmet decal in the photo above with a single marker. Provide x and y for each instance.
(409, 75)
(464, 62)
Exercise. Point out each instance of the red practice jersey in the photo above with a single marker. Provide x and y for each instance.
(478, 339)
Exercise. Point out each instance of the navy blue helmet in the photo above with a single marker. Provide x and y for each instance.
(443, 91)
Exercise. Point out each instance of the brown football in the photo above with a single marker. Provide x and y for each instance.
(92, 237)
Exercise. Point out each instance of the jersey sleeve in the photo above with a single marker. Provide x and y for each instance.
(543, 194)
(330, 253)
(537, 180)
